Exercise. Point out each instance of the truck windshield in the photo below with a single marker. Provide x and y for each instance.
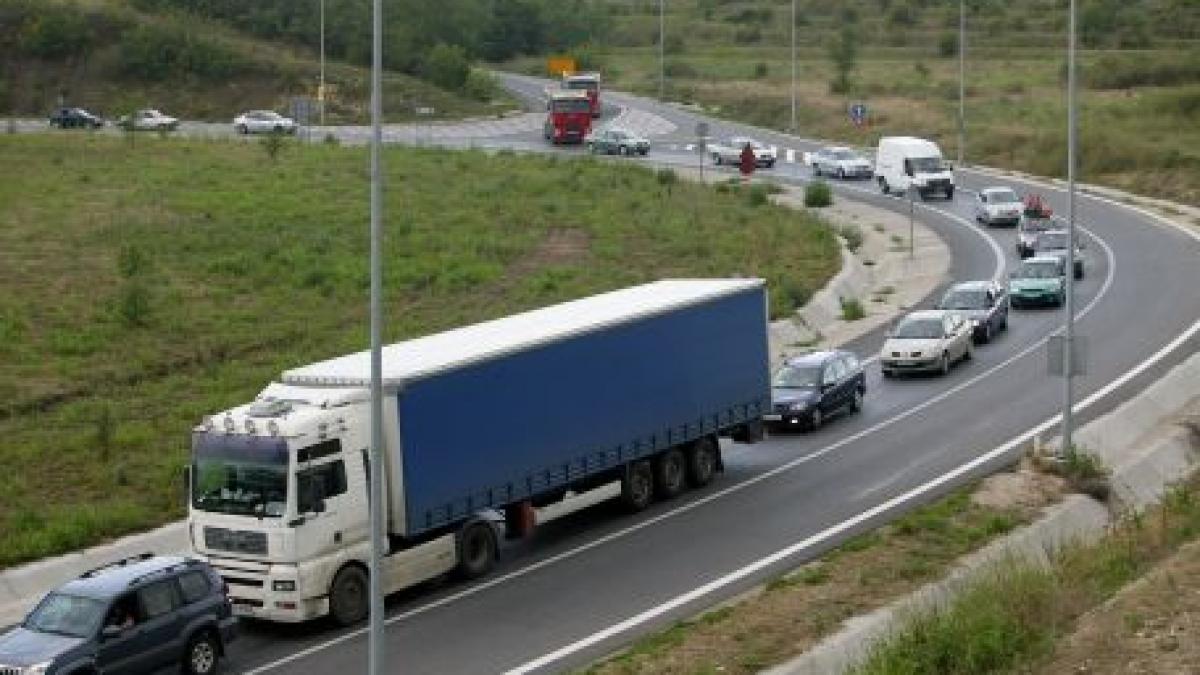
(927, 164)
(237, 474)
(572, 105)
(586, 85)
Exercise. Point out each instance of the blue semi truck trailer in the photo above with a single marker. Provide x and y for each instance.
(482, 424)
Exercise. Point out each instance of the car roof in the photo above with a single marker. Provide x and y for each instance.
(1044, 259)
(997, 188)
(110, 581)
(976, 285)
(816, 358)
(837, 148)
(927, 314)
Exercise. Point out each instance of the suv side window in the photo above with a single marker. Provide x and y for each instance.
(157, 599)
(833, 372)
(850, 363)
(194, 585)
(320, 482)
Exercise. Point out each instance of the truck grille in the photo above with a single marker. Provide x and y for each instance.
(235, 541)
(10, 670)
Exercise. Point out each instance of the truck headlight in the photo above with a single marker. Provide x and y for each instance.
(37, 668)
(283, 585)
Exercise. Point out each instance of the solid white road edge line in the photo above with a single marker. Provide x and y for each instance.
(546, 562)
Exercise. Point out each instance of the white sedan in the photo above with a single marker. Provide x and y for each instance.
(731, 152)
(263, 122)
(840, 162)
(927, 341)
(998, 206)
(148, 119)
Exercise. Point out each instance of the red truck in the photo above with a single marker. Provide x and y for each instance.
(589, 82)
(568, 116)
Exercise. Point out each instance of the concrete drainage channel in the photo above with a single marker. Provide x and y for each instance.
(819, 322)
(1150, 442)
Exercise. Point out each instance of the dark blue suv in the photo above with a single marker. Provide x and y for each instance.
(809, 389)
(133, 616)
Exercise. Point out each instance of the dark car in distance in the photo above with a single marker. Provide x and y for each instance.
(133, 616)
(75, 118)
(983, 303)
(810, 388)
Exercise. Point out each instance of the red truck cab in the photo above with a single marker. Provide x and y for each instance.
(568, 116)
(589, 82)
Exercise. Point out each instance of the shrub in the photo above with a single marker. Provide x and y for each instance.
(948, 44)
(760, 70)
(131, 261)
(675, 68)
(853, 236)
(817, 194)
(757, 195)
(272, 144)
(666, 178)
(133, 306)
(447, 67)
(852, 309)
(480, 85)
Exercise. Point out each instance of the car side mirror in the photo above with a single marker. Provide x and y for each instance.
(110, 632)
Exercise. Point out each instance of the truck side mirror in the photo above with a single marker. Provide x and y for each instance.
(110, 632)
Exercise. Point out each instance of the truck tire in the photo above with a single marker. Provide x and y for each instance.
(476, 543)
(670, 474)
(702, 461)
(348, 596)
(637, 485)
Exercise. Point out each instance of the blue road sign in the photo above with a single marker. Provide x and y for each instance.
(858, 113)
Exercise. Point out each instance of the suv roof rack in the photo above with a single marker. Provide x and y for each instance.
(124, 562)
(186, 562)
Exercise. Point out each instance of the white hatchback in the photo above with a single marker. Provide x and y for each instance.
(263, 122)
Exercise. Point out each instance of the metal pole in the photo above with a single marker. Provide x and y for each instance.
(322, 85)
(376, 658)
(962, 87)
(793, 127)
(912, 237)
(662, 64)
(1069, 319)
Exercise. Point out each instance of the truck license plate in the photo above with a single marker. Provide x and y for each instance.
(772, 418)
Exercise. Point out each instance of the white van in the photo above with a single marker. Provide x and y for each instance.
(903, 161)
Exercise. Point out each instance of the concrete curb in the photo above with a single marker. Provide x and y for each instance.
(1146, 459)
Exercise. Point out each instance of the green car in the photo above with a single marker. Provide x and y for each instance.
(616, 141)
(1040, 280)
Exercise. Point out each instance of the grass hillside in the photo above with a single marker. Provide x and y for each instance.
(144, 284)
(111, 57)
(1139, 66)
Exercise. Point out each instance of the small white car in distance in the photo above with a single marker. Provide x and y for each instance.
(731, 152)
(840, 162)
(263, 122)
(928, 341)
(148, 119)
(998, 206)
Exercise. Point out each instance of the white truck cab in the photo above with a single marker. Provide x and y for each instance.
(904, 162)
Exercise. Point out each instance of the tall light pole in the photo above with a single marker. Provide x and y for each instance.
(321, 86)
(793, 127)
(962, 73)
(1069, 319)
(375, 584)
(662, 63)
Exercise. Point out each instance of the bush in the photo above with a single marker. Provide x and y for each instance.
(852, 309)
(447, 67)
(948, 44)
(817, 194)
(760, 70)
(757, 195)
(480, 85)
(133, 306)
(679, 69)
(272, 144)
(853, 236)
(666, 178)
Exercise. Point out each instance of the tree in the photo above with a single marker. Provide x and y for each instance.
(447, 66)
(844, 54)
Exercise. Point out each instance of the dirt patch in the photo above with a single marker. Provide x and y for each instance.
(1023, 488)
(1149, 627)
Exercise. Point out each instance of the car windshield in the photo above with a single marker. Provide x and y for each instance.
(583, 84)
(63, 614)
(242, 475)
(1003, 197)
(842, 154)
(797, 377)
(570, 105)
(1052, 240)
(927, 164)
(965, 298)
(1048, 269)
(919, 329)
(1037, 224)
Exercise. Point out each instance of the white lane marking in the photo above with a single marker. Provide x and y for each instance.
(783, 468)
(781, 555)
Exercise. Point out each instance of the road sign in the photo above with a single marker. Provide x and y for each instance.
(858, 114)
(560, 65)
(701, 129)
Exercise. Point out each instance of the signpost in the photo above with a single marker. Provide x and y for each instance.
(425, 112)
(701, 144)
(858, 114)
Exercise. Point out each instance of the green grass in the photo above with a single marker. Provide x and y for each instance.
(148, 283)
(1011, 619)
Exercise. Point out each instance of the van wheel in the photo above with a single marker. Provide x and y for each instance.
(702, 461)
(348, 596)
(476, 549)
(637, 485)
(669, 474)
(883, 186)
(201, 655)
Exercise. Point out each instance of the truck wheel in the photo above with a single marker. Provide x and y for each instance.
(669, 474)
(476, 549)
(201, 655)
(702, 462)
(717, 158)
(637, 486)
(883, 186)
(348, 596)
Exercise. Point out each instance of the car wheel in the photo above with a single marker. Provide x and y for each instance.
(278, 129)
(476, 549)
(883, 186)
(702, 462)
(841, 174)
(1004, 322)
(637, 486)
(815, 419)
(716, 159)
(944, 367)
(670, 474)
(348, 596)
(950, 193)
(987, 333)
(201, 655)
(969, 352)
(856, 400)
(243, 129)
(817, 170)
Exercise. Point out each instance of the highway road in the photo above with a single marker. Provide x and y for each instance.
(591, 582)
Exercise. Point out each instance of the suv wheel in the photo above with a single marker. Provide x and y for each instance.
(201, 655)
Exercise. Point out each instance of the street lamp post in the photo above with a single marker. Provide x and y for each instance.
(1069, 319)
(962, 98)
(321, 86)
(662, 63)
(375, 662)
(792, 128)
